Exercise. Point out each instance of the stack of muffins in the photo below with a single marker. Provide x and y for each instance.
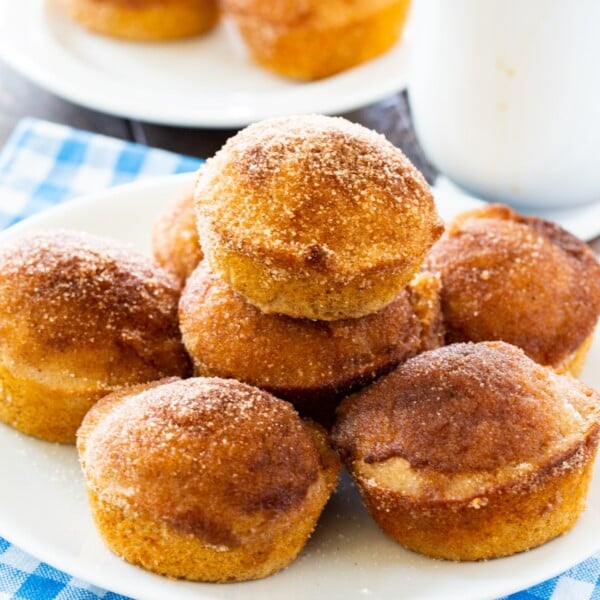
(302, 40)
(313, 230)
(216, 480)
(312, 288)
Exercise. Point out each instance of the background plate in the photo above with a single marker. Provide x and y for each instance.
(207, 81)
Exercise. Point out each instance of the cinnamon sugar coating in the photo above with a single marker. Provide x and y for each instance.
(471, 451)
(466, 407)
(314, 217)
(80, 316)
(519, 279)
(216, 462)
(175, 243)
(310, 363)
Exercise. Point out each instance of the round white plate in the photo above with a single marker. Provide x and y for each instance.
(43, 507)
(207, 81)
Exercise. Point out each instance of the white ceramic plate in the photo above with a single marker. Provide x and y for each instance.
(43, 507)
(582, 221)
(203, 82)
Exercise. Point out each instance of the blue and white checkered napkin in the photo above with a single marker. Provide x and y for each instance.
(44, 164)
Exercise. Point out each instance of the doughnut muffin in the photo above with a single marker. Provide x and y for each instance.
(309, 363)
(204, 479)
(175, 243)
(519, 279)
(145, 20)
(312, 39)
(314, 217)
(472, 451)
(80, 316)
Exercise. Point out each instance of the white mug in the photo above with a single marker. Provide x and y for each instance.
(505, 97)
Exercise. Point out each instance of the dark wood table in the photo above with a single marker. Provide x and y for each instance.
(19, 98)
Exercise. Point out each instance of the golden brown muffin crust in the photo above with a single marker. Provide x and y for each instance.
(175, 244)
(310, 363)
(519, 279)
(226, 334)
(466, 408)
(314, 217)
(316, 193)
(84, 308)
(472, 451)
(201, 455)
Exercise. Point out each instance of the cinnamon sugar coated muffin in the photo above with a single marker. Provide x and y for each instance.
(145, 20)
(175, 243)
(314, 217)
(80, 316)
(309, 363)
(204, 479)
(472, 451)
(311, 39)
(519, 279)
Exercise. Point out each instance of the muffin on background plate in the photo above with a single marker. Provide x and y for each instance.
(145, 20)
(312, 39)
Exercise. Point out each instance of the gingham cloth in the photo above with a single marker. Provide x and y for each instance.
(44, 164)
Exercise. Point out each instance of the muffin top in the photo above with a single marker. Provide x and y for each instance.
(519, 279)
(86, 311)
(316, 194)
(207, 456)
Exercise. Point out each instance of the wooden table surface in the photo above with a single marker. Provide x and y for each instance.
(19, 98)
